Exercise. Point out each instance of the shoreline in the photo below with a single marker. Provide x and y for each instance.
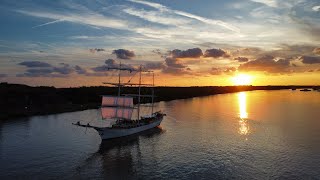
(18, 101)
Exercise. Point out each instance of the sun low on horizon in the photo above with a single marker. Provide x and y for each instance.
(242, 79)
(186, 43)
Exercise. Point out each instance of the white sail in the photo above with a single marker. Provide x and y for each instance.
(113, 112)
(117, 101)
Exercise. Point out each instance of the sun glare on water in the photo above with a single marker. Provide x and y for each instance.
(242, 79)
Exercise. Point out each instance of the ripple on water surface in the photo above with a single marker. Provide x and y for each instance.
(246, 135)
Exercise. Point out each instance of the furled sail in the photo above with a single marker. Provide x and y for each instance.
(115, 101)
(114, 112)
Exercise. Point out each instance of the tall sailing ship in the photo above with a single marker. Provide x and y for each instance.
(119, 109)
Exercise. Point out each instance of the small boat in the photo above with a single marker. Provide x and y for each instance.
(293, 89)
(305, 90)
(119, 109)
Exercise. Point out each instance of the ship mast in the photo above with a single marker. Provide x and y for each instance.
(139, 92)
(139, 84)
(152, 98)
(119, 79)
(119, 87)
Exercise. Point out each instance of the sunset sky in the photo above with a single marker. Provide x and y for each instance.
(186, 42)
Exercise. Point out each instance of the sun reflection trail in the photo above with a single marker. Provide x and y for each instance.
(244, 127)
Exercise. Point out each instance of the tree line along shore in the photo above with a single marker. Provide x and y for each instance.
(18, 100)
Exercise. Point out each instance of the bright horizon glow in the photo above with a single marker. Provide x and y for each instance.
(242, 79)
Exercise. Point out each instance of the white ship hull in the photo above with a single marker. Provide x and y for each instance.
(120, 108)
(110, 133)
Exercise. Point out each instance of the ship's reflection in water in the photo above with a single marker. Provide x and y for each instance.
(243, 114)
(118, 157)
(118, 143)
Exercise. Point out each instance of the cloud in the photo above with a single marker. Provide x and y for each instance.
(154, 65)
(80, 70)
(311, 26)
(268, 64)
(96, 50)
(160, 53)
(230, 70)
(156, 17)
(174, 63)
(280, 50)
(97, 74)
(31, 64)
(40, 73)
(215, 71)
(316, 51)
(47, 70)
(123, 54)
(310, 59)
(296, 49)
(176, 71)
(3, 75)
(216, 53)
(163, 8)
(316, 8)
(111, 63)
(270, 3)
(102, 68)
(248, 51)
(48, 23)
(189, 53)
(65, 69)
(241, 59)
(88, 18)
(219, 71)
(151, 4)
(209, 21)
(174, 66)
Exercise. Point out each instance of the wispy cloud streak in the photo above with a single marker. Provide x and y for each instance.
(270, 3)
(151, 4)
(51, 22)
(163, 8)
(156, 17)
(209, 21)
(84, 18)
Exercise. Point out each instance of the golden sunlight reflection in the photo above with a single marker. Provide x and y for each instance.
(244, 127)
(242, 98)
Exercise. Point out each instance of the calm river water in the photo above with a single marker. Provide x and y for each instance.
(246, 135)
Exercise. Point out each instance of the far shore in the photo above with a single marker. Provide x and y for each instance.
(18, 100)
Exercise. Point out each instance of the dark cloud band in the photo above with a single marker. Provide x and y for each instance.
(31, 64)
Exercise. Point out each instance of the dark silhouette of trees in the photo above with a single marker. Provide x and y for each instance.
(21, 100)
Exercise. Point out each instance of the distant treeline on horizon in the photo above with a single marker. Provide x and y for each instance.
(18, 100)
